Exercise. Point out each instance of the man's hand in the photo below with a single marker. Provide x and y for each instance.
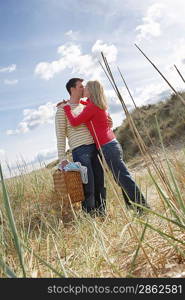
(110, 122)
(63, 163)
(61, 103)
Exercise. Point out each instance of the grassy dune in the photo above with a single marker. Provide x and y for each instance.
(171, 117)
(55, 244)
(42, 237)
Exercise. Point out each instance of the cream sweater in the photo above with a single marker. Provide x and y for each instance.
(77, 136)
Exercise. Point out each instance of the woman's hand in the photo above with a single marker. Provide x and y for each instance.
(62, 103)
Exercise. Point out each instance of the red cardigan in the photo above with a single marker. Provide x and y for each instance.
(96, 120)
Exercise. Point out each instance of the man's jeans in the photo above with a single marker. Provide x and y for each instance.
(94, 190)
(113, 154)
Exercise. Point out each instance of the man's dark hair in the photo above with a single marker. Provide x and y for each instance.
(72, 83)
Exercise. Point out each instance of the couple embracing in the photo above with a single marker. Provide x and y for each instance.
(87, 126)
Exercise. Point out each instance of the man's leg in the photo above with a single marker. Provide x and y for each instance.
(100, 190)
(83, 154)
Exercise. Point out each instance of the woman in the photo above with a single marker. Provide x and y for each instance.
(95, 117)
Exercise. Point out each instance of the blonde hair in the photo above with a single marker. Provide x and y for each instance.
(97, 94)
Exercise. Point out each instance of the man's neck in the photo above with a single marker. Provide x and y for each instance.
(74, 100)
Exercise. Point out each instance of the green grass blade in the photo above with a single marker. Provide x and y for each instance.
(179, 224)
(179, 198)
(44, 262)
(164, 198)
(137, 251)
(12, 222)
(7, 271)
(161, 232)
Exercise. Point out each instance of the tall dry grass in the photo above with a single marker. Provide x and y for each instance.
(121, 245)
(38, 239)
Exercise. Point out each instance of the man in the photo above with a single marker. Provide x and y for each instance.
(83, 149)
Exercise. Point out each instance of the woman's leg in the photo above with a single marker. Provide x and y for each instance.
(113, 154)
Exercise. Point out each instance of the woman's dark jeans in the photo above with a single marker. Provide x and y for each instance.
(113, 154)
(94, 190)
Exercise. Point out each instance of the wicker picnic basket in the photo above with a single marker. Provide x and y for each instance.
(68, 186)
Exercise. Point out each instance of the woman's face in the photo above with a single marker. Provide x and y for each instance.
(86, 92)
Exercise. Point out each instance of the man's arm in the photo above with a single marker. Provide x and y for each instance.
(60, 128)
(86, 115)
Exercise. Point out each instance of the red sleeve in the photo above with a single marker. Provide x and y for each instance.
(85, 102)
(83, 117)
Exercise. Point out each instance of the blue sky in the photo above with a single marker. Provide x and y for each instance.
(46, 42)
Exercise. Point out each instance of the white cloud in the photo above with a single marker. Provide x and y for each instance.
(178, 53)
(114, 103)
(2, 158)
(10, 82)
(110, 51)
(174, 13)
(73, 35)
(23, 165)
(176, 57)
(34, 118)
(46, 154)
(166, 66)
(105, 8)
(151, 93)
(8, 69)
(148, 92)
(151, 23)
(2, 152)
(47, 70)
(73, 59)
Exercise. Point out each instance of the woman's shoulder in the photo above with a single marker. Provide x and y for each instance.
(90, 104)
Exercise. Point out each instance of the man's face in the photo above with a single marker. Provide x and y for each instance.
(78, 90)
